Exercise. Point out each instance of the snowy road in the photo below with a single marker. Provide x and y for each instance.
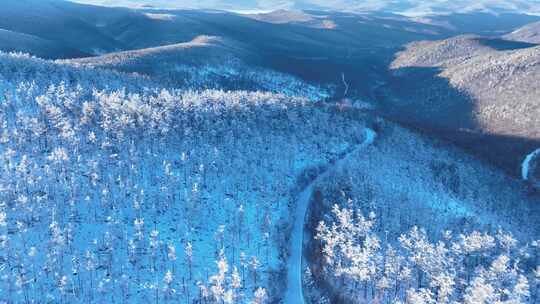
(294, 293)
(525, 167)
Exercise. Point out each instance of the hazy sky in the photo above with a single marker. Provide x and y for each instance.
(404, 6)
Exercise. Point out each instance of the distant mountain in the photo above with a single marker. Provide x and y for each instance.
(446, 52)
(411, 7)
(283, 16)
(201, 50)
(529, 33)
(308, 29)
(479, 22)
(57, 21)
(206, 62)
(18, 42)
(436, 53)
(481, 93)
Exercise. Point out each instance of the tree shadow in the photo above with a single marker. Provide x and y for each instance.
(418, 96)
(506, 151)
(504, 45)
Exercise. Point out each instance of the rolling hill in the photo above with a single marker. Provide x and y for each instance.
(529, 33)
(199, 51)
(205, 63)
(58, 22)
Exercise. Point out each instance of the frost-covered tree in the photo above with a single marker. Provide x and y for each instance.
(470, 268)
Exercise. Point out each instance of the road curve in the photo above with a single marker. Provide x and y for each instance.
(294, 293)
(525, 166)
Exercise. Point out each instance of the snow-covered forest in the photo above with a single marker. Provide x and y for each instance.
(476, 267)
(385, 228)
(191, 185)
(116, 190)
(345, 152)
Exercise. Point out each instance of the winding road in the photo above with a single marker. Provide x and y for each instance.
(294, 293)
(525, 167)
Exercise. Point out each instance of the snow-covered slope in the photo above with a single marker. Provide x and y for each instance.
(479, 92)
(201, 49)
(529, 33)
(437, 53)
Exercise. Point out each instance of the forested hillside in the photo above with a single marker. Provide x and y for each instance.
(412, 220)
(109, 181)
(475, 91)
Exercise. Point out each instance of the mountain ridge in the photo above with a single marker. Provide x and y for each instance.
(407, 7)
